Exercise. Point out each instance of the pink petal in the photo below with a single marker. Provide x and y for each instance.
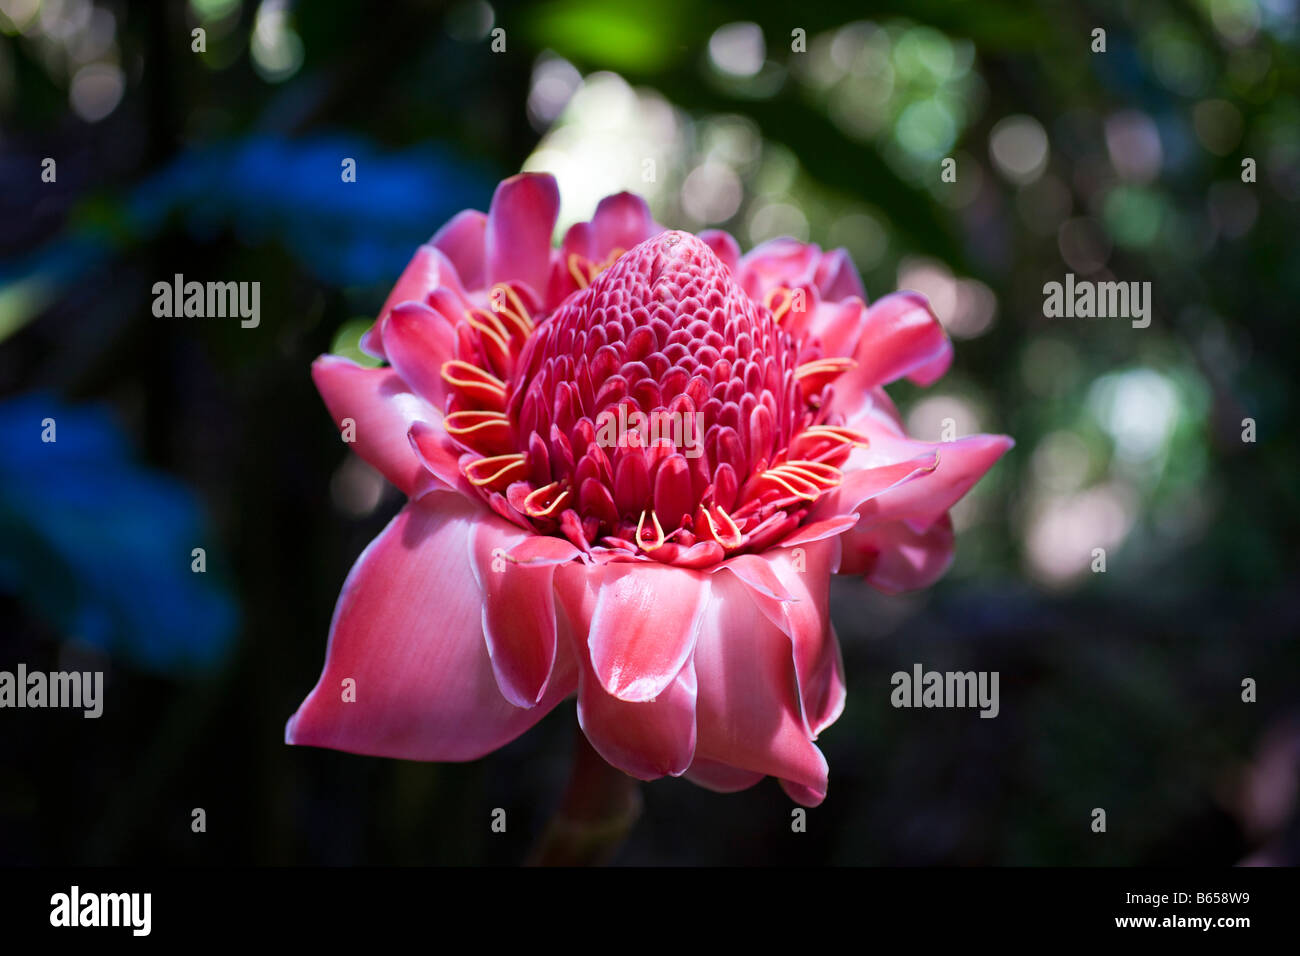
(407, 631)
(718, 776)
(757, 574)
(543, 549)
(837, 325)
(428, 270)
(621, 221)
(837, 277)
(806, 796)
(777, 262)
(927, 373)
(462, 241)
(748, 713)
(577, 241)
(440, 457)
(520, 222)
(871, 406)
(518, 610)
(724, 246)
(646, 739)
(880, 408)
(649, 739)
(561, 283)
(804, 573)
(644, 625)
(900, 337)
(953, 469)
(417, 340)
(894, 557)
(382, 408)
(867, 478)
(818, 530)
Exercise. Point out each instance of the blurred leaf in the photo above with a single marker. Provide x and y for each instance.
(639, 38)
(101, 547)
(20, 302)
(347, 342)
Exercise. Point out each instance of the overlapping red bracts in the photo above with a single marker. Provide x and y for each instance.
(676, 578)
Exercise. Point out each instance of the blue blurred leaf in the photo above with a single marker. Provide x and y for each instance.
(100, 546)
(263, 189)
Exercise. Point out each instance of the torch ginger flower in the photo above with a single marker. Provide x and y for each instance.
(681, 592)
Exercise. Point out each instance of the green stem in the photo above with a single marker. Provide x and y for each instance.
(599, 809)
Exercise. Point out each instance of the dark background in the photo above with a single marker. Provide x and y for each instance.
(1119, 690)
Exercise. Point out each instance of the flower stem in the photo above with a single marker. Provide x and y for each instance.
(599, 809)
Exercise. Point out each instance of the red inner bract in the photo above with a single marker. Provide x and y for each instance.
(660, 410)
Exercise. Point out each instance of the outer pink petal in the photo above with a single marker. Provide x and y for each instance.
(440, 457)
(804, 574)
(808, 796)
(561, 283)
(748, 711)
(417, 340)
(827, 699)
(817, 530)
(718, 776)
(520, 222)
(518, 610)
(956, 467)
(407, 632)
(838, 325)
(383, 409)
(621, 221)
(837, 277)
(646, 739)
(543, 549)
(927, 373)
(777, 262)
(462, 240)
(644, 625)
(724, 246)
(900, 337)
(428, 270)
(759, 575)
(870, 478)
(873, 409)
(893, 557)
(577, 241)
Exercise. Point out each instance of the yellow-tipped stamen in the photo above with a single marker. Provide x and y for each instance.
(834, 441)
(501, 463)
(835, 433)
(780, 311)
(814, 469)
(824, 366)
(462, 374)
(608, 261)
(810, 490)
(575, 270)
(584, 270)
(473, 420)
(730, 536)
(489, 326)
(515, 312)
(531, 508)
(816, 473)
(640, 531)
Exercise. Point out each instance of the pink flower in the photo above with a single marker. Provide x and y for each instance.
(676, 581)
